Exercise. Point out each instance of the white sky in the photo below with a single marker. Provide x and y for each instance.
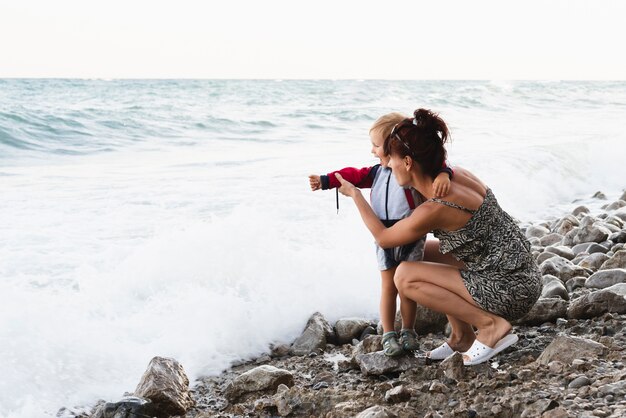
(393, 39)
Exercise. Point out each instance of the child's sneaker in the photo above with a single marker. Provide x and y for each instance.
(408, 339)
(391, 346)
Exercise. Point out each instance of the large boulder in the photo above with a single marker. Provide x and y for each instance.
(561, 250)
(611, 299)
(261, 378)
(566, 349)
(167, 386)
(317, 333)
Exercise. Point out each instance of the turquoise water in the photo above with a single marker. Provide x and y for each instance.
(146, 217)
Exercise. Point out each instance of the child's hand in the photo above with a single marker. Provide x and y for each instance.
(315, 182)
(441, 185)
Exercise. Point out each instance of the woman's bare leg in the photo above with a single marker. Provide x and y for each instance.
(440, 288)
(462, 335)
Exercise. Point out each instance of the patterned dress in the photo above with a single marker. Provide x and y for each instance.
(501, 275)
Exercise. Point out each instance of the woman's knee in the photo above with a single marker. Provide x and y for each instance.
(405, 276)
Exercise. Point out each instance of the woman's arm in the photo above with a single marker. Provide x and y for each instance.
(407, 230)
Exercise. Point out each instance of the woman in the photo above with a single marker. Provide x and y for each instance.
(500, 280)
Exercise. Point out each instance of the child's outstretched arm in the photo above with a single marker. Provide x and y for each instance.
(315, 182)
(360, 177)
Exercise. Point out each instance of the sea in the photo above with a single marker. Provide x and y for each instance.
(174, 218)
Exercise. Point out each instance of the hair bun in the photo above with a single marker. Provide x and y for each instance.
(430, 121)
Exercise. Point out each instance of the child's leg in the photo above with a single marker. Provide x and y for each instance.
(388, 296)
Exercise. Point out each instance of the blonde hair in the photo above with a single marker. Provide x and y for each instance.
(385, 123)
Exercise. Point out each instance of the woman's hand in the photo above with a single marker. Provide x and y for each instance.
(346, 188)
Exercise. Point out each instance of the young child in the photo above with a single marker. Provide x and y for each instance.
(391, 203)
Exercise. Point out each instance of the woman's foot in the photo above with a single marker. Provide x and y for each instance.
(448, 348)
(489, 336)
(391, 346)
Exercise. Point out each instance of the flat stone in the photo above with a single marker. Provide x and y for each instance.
(378, 363)
(377, 412)
(550, 239)
(561, 268)
(544, 256)
(261, 378)
(616, 205)
(561, 250)
(566, 349)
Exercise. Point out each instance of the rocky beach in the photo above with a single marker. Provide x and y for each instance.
(568, 362)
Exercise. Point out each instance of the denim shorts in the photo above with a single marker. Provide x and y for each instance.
(391, 257)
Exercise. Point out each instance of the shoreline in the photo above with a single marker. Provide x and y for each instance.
(569, 360)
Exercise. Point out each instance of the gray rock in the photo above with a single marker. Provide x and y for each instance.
(378, 363)
(623, 196)
(534, 241)
(617, 261)
(544, 256)
(397, 394)
(127, 407)
(453, 367)
(536, 231)
(618, 388)
(562, 251)
(561, 268)
(597, 248)
(165, 384)
(611, 299)
(579, 382)
(348, 329)
(599, 195)
(575, 283)
(568, 239)
(427, 320)
(618, 237)
(261, 378)
(370, 344)
(554, 289)
(545, 310)
(614, 220)
(377, 412)
(316, 334)
(580, 248)
(606, 278)
(537, 408)
(593, 261)
(612, 228)
(550, 239)
(565, 224)
(616, 205)
(591, 233)
(621, 214)
(565, 349)
(580, 210)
